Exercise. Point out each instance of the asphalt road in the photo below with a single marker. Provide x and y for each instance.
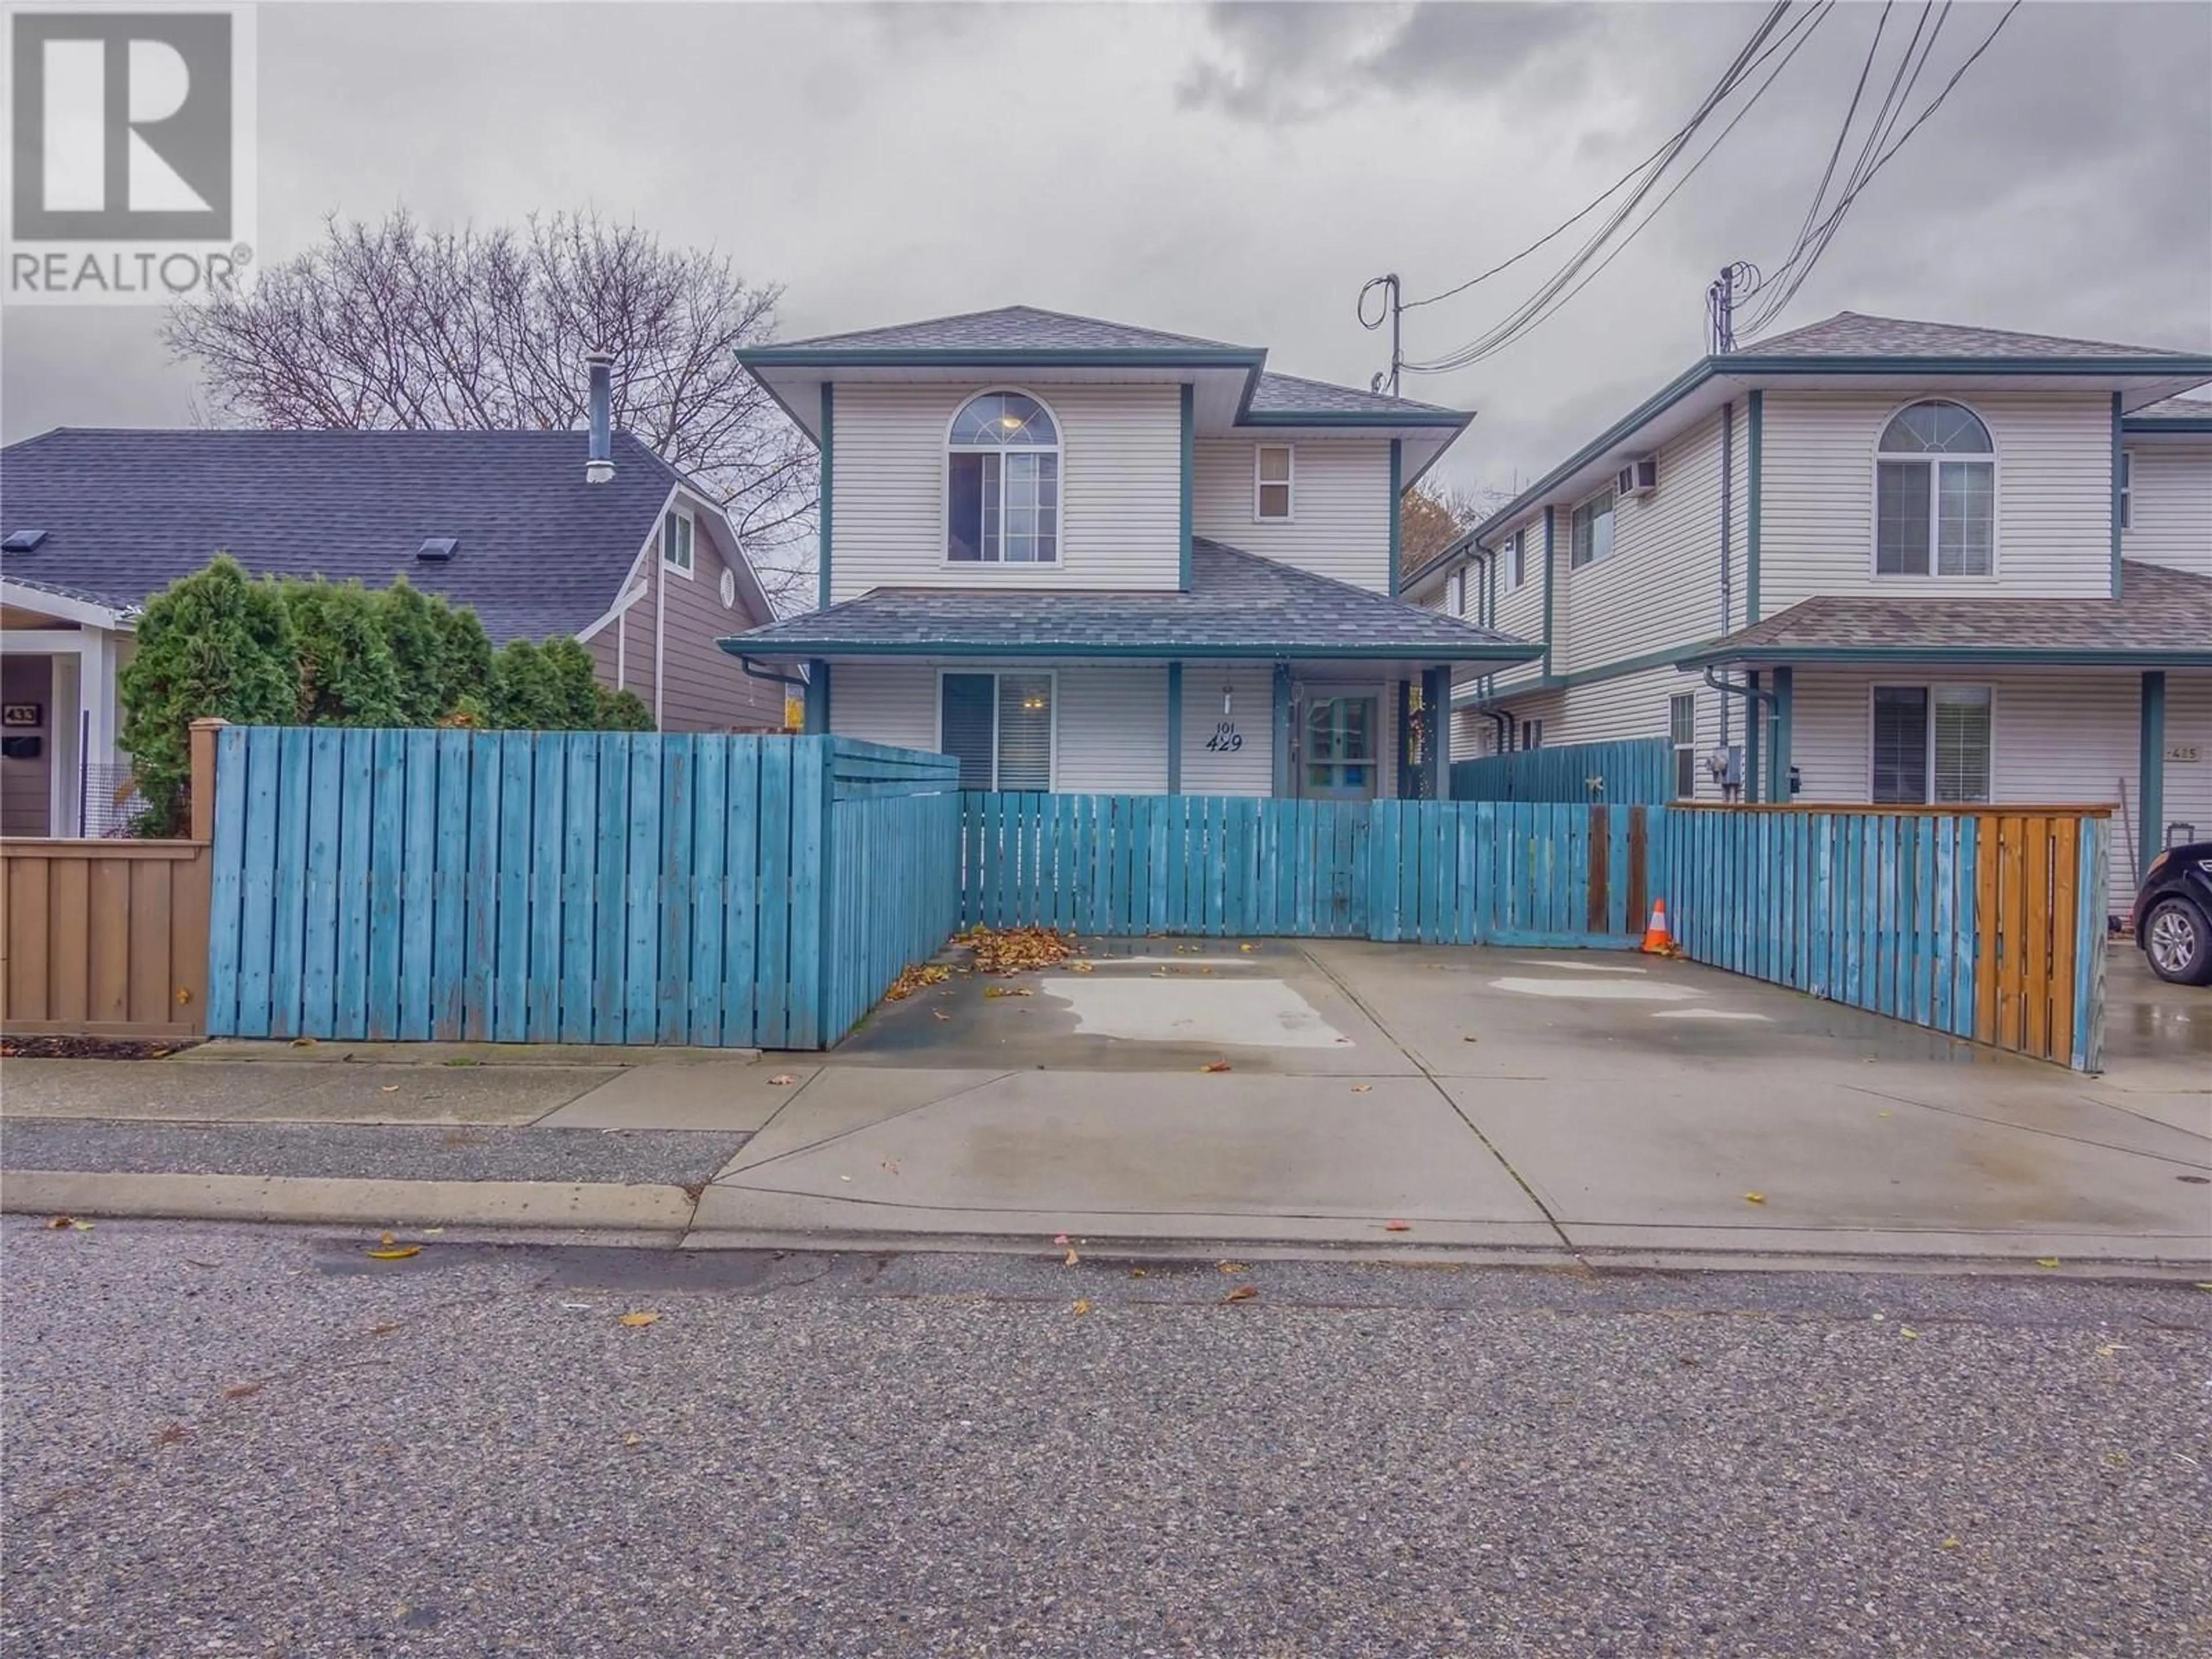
(233, 1440)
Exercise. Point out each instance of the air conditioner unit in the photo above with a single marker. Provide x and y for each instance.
(1639, 477)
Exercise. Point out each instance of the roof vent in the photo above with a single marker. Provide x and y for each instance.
(22, 541)
(436, 549)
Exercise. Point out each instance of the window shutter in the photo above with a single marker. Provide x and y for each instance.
(965, 710)
(1025, 732)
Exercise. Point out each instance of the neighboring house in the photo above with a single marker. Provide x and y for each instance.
(1082, 556)
(1952, 565)
(643, 568)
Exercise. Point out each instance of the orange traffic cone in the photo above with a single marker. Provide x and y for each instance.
(1657, 941)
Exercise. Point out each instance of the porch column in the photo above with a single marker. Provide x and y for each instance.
(1402, 735)
(1784, 689)
(1436, 721)
(2150, 770)
(1283, 779)
(1754, 716)
(1175, 728)
(818, 698)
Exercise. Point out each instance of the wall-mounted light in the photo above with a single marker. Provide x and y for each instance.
(1228, 699)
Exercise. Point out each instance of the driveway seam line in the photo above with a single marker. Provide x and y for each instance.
(842, 1135)
(2030, 1129)
(1421, 1065)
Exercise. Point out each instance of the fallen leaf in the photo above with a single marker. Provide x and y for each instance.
(61, 1223)
(388, 1238)
(1079, 967)
(1215, 1066)
(1397, 1227)
(1885, 1113)
(939, 1013)
(1363, 1088)
(303, 1042)
(781, 1079)
(2046, 1261)
(1136, 1272)
(1469, 1039)
(1072, 1259)
(1060, 1239)
(632, 1437)
(844, 1177)
(1082, 1306)
(1008, 991)
(890, 1166)
(919, 976)
(2204, 1287)
(1950, 1543)
(1246, 949)
(175, 1435)
(394, 1252)
(2106, 1350)
(1234, 1268)
(1242, 1293)
(388, 1089)
(1908, 1333)
(433, 1232)
(241, 1391)
(636, 1320)
(1754, 1197)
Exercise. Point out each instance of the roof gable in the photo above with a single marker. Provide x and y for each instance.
(1008, 328)
(540, 551)
(1854, 334)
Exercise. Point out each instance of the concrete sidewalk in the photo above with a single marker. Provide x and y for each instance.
(1550, 1108)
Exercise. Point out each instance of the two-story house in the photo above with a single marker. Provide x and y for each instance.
(1874, 560)
(1082, 556)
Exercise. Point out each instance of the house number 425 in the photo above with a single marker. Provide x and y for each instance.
(1226, 738)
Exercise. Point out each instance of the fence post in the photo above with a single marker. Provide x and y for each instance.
(202, 786)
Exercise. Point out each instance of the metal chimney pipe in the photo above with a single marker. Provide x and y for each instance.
(599, 463)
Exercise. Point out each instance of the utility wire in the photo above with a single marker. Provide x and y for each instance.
(1594, 202)
(1563, 286)
(1828, 227)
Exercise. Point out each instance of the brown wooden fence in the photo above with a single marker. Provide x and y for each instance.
(109, 937)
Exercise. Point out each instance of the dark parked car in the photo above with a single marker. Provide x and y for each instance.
(2173, 913)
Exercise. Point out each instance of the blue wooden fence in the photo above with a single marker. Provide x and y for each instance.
(1436, 872)
(1633, 771)
(569, 887)
(1984, 923)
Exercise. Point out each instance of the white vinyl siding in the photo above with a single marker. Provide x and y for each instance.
(1121, 474)
(2054, 489)
(1113, 728)
(2171, 523)
(1662, 585)
(1249, 770)
(1521, 610)
(1341, 525)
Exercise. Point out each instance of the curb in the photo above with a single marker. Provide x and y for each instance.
(560, 1204)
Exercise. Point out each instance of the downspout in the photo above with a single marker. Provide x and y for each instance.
(1752, 694)
(1727, 514)
(746, 663)
(1502, 721)
(659, 639)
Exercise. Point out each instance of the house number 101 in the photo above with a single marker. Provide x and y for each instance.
(1226, 738)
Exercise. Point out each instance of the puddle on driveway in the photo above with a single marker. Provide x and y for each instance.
(1599, 990)
(1264, 1014)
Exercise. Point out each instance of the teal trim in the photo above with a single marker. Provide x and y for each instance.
(1175, 728)
(2117, 464)
(1436, 715)
(1397, 510)
(2045, 655)
(1280, 780)
(1741, 364)
(1189, 466)
(2150, 772)
(1085, 651)
(2152, 425)
(1666, 657)
(1752, 462)
(1784, 717)
(1754, 716)
(1549, 517)
(817, 699)
(822, 511)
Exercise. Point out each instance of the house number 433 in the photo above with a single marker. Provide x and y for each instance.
(1226, 738)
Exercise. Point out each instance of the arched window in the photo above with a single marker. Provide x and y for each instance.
(1002, 499)
(1935, 493)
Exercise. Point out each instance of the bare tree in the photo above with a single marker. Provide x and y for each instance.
(1430, 519)
(399, 325)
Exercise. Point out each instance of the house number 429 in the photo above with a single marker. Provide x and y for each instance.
(1226, 738)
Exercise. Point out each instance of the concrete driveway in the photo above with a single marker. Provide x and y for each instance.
(1553, 1105)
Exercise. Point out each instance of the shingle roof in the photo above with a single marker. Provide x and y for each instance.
(1239, 604)
(63, 591)
(542, 552)
(1009, 328)
(1293, 394)
(1852, 334)
(2158, 611)
(2174, 409)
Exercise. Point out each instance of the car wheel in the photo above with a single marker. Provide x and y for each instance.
(2178, 943)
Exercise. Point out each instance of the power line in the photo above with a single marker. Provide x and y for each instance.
(1825, 231)
(1564, 287)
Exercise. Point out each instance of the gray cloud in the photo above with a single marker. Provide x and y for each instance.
(898, 163)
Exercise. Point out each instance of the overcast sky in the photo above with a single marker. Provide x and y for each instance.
(1236, 172)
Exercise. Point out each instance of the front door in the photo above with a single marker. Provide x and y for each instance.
(1340, 757)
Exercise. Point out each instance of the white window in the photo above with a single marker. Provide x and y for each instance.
(998, 727)
(1682, 731)
(1455, 601)
(2127, 489)
(1592, 530)
(1002, 491)
(1935, 493)
(1517, 551)
(1931, 745)
(1272, 468)
(1532, 734)
(676, 540)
